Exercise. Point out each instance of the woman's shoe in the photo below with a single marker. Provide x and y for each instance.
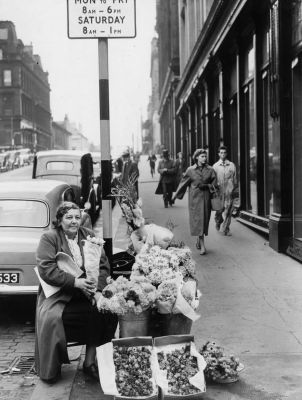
(91, 371)
(198, 246)
(203, 252)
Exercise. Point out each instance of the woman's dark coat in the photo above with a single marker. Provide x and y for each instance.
(50, 346)
(199, 196)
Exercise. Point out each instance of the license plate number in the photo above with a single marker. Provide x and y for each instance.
(9, 277)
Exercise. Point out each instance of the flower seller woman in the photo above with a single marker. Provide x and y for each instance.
(69, 315)
(201, 180)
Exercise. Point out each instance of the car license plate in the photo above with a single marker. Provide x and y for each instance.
(9, 277)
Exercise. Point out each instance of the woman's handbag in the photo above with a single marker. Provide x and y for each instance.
(216, 201)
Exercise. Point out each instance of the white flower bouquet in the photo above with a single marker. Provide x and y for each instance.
(92, 249)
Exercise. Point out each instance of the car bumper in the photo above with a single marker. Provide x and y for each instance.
(8, 290)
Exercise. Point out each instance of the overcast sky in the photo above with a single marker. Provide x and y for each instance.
(73, 66)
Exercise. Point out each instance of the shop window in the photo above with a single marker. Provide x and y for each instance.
(271, 154)
(296, 22)
(233, 128)
(297, 146)
(7, 77)
(251, 148)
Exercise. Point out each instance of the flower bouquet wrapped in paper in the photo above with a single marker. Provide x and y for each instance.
(92, 250)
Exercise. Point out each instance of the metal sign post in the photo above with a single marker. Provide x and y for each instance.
(103, 19)
(106, 166)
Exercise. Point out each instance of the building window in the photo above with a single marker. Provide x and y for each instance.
(1, 54)
(3, 34)
(7, 77)
(272, 154)
(297, 146)
(297, 22)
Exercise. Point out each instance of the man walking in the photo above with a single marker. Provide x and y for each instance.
(227, 182)
(166, 169)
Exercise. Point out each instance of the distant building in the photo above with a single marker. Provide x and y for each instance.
(77, 140)
(154, 100)
(25, 117)
(167, 27)
(60, 136)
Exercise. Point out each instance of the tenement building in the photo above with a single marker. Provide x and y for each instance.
(25, 117)
(240, 84)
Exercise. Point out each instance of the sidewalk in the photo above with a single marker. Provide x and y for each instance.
(251, 305)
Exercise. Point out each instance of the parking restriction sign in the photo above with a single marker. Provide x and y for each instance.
(101, 19)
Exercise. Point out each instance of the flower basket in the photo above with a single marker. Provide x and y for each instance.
(220, 368)
(131, 324)
(169, 324)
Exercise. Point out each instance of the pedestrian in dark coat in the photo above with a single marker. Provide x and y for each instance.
(71, 313)
(201, 180)
(130, 170)
(152, 160)
(180, 168)
(166, 186)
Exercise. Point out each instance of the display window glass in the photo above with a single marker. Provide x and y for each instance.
(297, 147)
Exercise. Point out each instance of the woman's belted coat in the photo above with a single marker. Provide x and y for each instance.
(201, 182)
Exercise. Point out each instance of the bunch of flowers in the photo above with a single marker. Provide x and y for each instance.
(220, 367)
(180, 366)
(166, 296)
(159, 265)
(172, 271)
(133, 371)
(131, 206)
(123, 296)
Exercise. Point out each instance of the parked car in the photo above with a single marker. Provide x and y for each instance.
(26, 211)
(73, 167)
(26, 157)
(11, 159)
(4, 162)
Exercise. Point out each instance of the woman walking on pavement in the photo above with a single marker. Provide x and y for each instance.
(201, 180)
(166, 169)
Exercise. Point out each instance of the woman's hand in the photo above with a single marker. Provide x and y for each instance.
(86, 285)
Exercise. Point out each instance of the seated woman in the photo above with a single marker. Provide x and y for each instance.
(70, 314)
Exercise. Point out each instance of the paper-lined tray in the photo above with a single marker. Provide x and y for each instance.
(168, 344)
(107, 368)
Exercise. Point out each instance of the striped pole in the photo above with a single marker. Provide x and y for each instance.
(105, 145)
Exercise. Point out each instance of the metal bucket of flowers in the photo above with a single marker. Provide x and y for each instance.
(131, 300)
(172, 272)
(221, 368)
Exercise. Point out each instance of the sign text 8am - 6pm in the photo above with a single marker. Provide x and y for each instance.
(101, 18)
